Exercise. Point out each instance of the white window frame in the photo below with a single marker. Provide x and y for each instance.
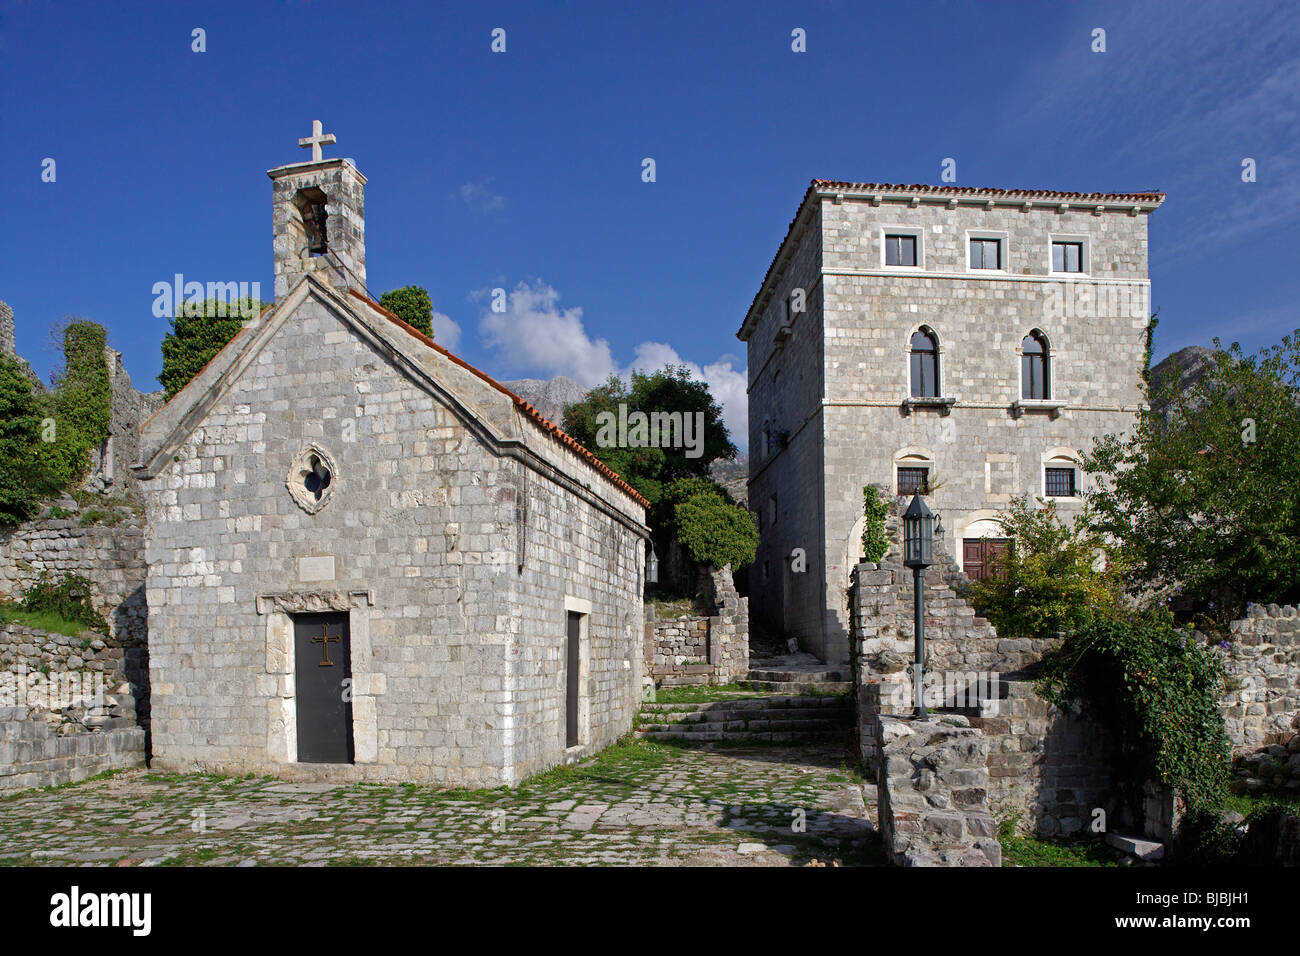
(1085, 264)
(1050, 365)
(939, 359)
(1060, 458)
(914, 457)
(916, 232)
(1004, 250)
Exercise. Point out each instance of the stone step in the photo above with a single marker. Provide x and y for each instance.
(781, 736)
(796, 687)
(800, 701)
(799, 677)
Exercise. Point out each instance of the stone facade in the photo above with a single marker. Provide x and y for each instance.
(110, 463)
(1262, 702)
(830, 407)
(458, 531)
(933, 793)
(693, 649)
(66, 709)
(340, 187)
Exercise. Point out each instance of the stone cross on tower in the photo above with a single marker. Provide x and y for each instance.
(316, 140)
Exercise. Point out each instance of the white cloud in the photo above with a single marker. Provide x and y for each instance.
(477, 194)
(535, 336)
(445, 331)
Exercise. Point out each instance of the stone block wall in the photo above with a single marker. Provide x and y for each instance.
(448, 539)
(712, 649)
(7, 345)
(1261, 705)
(933, 793)
(1047, 765)
(111, 557)
(66, 709)
(956, 639)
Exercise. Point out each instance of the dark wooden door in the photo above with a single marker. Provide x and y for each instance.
(322, 668)
(979, 556)
(571, 677)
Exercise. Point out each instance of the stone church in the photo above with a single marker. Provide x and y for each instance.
(968, 344)
(368, 559)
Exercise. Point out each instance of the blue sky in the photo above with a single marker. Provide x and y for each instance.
(523, 170)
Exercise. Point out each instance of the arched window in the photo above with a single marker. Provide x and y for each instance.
(1034, 367)
(925, 364)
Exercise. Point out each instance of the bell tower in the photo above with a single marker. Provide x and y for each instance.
(319, 216)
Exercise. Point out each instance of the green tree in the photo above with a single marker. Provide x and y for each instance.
(22, 477)
(713, 529)
(412, 305)
(1049, 579)
(1202, 498)
(651, 469)
(80, 405)
(198, 332)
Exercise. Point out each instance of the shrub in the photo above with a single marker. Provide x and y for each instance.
(81, 405)
(412, 305)
(198, 332)
(22, 477)
(1048, 580)
(714, 530)
(68, 597)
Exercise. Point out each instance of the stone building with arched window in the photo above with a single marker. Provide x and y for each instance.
(965, 343)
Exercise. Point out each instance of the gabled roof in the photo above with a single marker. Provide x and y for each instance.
(171, 425)
(820, 189)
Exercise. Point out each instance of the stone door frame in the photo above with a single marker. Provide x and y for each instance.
(277, 684)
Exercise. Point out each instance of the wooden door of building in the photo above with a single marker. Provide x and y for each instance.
(572, 677)
(980, 556)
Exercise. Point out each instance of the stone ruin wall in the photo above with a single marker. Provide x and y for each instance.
(67, 711)
(701, 649)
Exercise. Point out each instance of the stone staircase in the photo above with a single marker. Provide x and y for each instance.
(797, 674)
(774, 719)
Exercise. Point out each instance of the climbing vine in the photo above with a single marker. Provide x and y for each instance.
(1156, 690)
(875, 542)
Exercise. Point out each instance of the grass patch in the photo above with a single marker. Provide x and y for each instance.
(1019, 850)
(703, 694)
(50, 621)
(621, 762)
(1244, 803)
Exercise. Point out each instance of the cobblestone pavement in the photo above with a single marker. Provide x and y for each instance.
(639, 803)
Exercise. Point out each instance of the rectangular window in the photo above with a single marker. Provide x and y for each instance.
(900, 250)
(986, 253)
(1060, 483)
(913, 481)
(772, 510)
(1067, 257)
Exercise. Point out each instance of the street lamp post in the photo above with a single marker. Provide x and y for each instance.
(918, 554)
